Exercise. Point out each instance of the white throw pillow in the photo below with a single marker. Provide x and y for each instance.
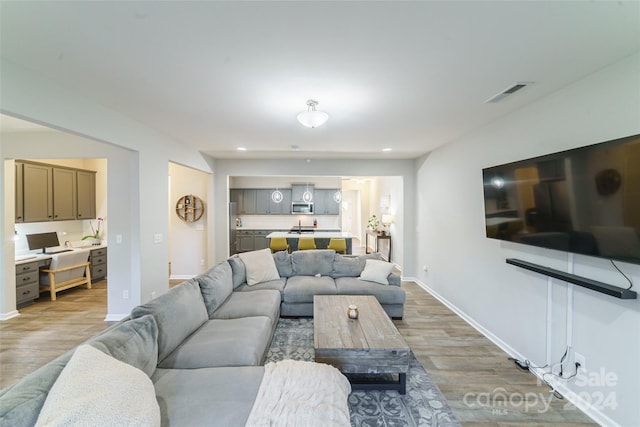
(376, 271)
(96, 389)
(260, 266)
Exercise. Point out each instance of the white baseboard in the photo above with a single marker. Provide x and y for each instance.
(9, 315)
(475, 325)
(115, 317)
(180, 277)
(595, 414)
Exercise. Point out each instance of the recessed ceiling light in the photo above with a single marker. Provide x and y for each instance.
(242, 148)
(387, 149)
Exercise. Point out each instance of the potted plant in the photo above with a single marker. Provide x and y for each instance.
(96, 232)
(373, 222)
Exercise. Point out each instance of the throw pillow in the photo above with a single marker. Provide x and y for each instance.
(96, 389)
(376, 271)
(260, 266)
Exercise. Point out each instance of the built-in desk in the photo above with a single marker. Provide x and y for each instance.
(28, 271)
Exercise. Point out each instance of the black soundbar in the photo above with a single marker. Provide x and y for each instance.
(594, 285)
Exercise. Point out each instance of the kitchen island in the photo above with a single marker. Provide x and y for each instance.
(321, 238)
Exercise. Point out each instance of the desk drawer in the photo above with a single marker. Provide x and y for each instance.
(27, 278)
(27, 268)
(26, 293)
(98, 260)
(98, 252)
(98, 271)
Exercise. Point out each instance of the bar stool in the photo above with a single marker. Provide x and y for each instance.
(278, 244)
(305, 243)
(338, 245)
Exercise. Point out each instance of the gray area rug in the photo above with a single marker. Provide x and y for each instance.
(423, 405)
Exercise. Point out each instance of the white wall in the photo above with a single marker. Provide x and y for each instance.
(187, 240)
(526, 313)
(138, 159)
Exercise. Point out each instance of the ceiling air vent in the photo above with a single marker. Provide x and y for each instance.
(508, 91)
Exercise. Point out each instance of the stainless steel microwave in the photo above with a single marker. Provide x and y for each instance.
(302, 208)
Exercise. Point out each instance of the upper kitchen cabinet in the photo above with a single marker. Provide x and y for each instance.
(52, 193)
(325, 202)
(18, 198)
(86, 194)
(302, 193)
(37, 192)
(64, 194)
(260, 202)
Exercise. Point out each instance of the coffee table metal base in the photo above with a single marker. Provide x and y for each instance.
(359, 382)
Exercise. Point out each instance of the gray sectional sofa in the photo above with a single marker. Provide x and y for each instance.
(202, 344)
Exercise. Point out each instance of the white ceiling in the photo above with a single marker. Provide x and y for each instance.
(406, 75)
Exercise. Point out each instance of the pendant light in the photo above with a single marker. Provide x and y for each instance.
(307, 196)
(276, 196)
(312, 118)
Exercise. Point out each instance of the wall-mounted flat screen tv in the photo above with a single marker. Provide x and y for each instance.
(585, 201)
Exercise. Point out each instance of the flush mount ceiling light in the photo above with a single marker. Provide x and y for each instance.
(312, 118)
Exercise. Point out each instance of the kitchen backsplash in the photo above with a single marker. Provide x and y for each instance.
(285, 222)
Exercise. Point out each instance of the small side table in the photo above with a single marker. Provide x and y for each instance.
(378, 243)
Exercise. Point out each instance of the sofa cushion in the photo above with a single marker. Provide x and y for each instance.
(246, 304)
(178, 312)
(21, 403)
(384, 294)
(312, 262)
(349, 265)
(98, 386)
(134, 341)
(198, 397)
(283, 263)
(216, 284)
(260, 266)
(238, 271)
(303, 288)
(376, 271)
(228, 342)
(277, 285)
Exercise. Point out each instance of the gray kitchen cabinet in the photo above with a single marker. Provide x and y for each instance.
(51, 193)
(64, 194)
(98, 260)
(18, 198)
(249, 202)
(298, 190)
(27, 283)
(86, 194)
(263, 202)
(284, 207)
(244, 240)
(259, 202)
(324, 202)
(260, 239)
(37, 192)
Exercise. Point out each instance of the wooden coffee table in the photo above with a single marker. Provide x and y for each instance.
(370, 344)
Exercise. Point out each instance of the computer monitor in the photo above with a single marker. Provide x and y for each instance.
(42, 241)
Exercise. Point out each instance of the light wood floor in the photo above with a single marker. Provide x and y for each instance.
(462, 362)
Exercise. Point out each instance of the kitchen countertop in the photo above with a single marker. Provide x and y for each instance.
(315, 234)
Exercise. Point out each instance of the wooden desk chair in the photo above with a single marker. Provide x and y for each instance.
(67, 270)
(338, 245)
(278, 244)
(305, 243)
